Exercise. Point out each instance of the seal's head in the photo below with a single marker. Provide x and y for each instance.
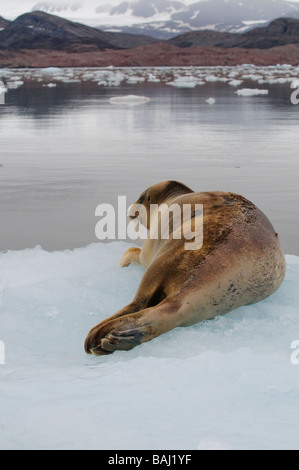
(158, 194)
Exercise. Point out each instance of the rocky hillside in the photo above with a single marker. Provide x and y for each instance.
(39, 30)
(3, 23)
(280, 32)
(39, 39)
(161, 54)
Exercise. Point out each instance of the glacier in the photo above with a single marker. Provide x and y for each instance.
(227, 383)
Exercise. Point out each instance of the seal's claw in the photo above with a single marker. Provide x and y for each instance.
(98, 351)
(124, 340)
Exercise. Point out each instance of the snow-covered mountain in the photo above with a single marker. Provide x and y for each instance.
(162, 18)
(219, 15)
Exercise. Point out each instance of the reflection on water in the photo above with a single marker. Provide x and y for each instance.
(65, 150)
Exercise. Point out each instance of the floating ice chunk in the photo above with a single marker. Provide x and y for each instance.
(153, 78)
(211, 78)
(233, 74)
(51, 70)
(182, 84)
(108, 78)
(71, 80)
(60, 78)
(14, 84)
(251, 92)
(16, 78)
(211, 101)
(235, 82)
(185, 81)
(102, 83)
(115, 78)
(5, 72)
(51, 85)
(295, 83)
(3, 89)
(252, 77)
(214, 78)
(129, 99)
(283, 81)
(87, 76)
(135, 79)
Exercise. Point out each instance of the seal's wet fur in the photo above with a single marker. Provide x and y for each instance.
(240, 262)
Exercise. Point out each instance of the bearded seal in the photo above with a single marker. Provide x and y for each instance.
(240, 262)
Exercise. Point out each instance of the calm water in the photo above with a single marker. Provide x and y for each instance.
(65, 150)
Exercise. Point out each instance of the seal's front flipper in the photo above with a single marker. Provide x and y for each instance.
(131, 256)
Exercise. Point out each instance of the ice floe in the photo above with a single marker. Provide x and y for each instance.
(236, 82)
(2, 87)
(251, 92)
(129, 99)
(240, 76)
(14, 84)
(228, 383)
(182, 84)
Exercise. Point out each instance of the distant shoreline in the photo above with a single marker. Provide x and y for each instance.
(159, 55)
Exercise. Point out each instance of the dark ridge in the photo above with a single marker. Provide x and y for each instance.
(3, 22)
(39, 30)
(280, 32)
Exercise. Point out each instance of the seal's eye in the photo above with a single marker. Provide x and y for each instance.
(149, 198)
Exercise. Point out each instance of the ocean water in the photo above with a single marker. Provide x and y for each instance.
(66, 148)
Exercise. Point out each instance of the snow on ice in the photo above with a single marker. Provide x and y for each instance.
(228, 383)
